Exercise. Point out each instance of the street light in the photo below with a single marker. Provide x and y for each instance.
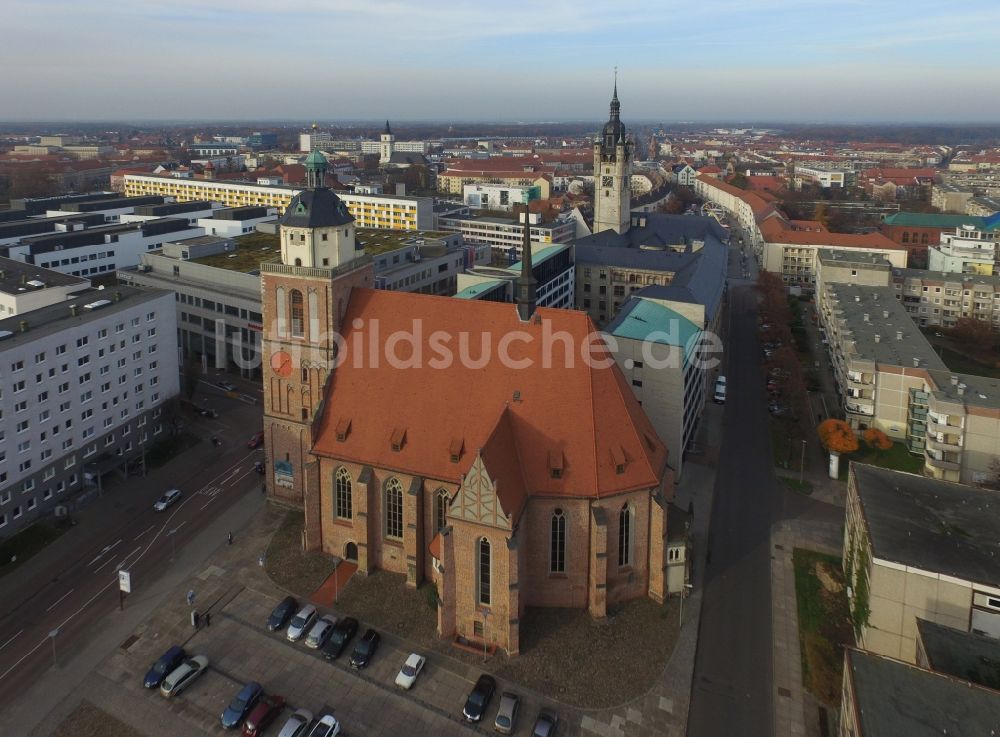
(486, 614)
(684, 593)
(52, 636)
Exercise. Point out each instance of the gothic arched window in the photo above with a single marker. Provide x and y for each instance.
(483, 577)
(557, 552)
(440, 510)
(394, 509)
(625, 536)
(344, 502)
(297, 313)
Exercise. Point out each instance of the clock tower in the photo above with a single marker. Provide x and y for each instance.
(304, 300)
(612, 173)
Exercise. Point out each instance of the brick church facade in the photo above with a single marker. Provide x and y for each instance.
(465, 443)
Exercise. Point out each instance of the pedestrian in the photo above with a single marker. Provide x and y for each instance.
(190, 597)
(260, 560)
(229, 539)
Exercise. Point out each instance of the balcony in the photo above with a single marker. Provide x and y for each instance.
(858, 406)
(941, 465)
(944, 443)
(938, 423)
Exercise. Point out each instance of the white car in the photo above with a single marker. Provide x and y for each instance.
(410, 670)
(297, 724)
(320, 632)
(167, 500)
(183, 675)
(301, 623)
(327, 726)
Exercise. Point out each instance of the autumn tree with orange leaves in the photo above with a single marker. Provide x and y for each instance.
(837, 436)
(876, 439)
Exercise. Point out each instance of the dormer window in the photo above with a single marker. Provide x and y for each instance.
(455, 449)
(619, 459)
(343, 429)
(556, 463)
(398, 439)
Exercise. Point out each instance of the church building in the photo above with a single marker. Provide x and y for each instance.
(495, 450)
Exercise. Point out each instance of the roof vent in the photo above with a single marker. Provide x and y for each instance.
(72, 310)
(885, 314)
(866, 317)
(877, 337)
(517, 395)
(23, 325)
(954, 381)
(961, 389)
(916, 362)
(899, 335)
(857, 297)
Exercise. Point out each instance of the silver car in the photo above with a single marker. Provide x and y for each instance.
(183, 675)
(297, 724)
(320, 632)
(506, 720)
(301, 623)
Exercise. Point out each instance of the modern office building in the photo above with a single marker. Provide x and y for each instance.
(503, 235)
(370, 211)
(552, 266)
(82, 390)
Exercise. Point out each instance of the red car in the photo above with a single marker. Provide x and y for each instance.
(263, 714)
(256, 441)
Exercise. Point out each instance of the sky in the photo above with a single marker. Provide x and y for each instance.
(516, 60)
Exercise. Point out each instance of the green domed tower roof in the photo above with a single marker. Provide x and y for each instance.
(315, 169)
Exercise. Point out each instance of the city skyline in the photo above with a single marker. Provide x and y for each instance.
(765, 61)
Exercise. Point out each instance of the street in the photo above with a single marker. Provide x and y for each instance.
(732, 685)
(54, 603)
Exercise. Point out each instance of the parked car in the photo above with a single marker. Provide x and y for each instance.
(241, 705)
(365, 649)
(167, 500)
(226, 386)
(320, 631)
(545, 724)
(506, 720)
(297, 724)
(479, 698)
(327, 726)
(183, 675)
(720, 390)
(256, 440)
(269, 706)
(346, 629)
(164, 665)
(282, 613)
(301, 623)
(411, 669)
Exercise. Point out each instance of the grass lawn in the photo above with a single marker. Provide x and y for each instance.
(87, 720)
(27, 542)
(804, 487)
(824, 623)
(962, 364)
(897, 458)
(289, 566)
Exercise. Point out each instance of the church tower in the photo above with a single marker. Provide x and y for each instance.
(304, 300)
(387, 144)
(612, 173)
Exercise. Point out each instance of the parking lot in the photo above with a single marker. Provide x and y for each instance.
(240, 648)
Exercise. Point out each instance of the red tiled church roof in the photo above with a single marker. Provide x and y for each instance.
(518, 418)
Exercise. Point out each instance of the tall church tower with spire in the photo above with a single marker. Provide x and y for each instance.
(386, 145)
(304, 299)
(612, 173)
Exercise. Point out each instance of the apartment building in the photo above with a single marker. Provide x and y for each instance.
(950, 198)
(552, 266)
(891, 378)
(82, 389)
(498, 196)
(939, 298)
(918, 548)
(970, 249)
(26, 287)
(825, 177)
(368, 210)
(504, 235)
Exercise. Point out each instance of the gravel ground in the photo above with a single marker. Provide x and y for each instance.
(564, 652)
(87, 720)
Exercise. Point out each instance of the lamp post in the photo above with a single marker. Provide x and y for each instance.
(52, 636)
(486, 614)
(684, 593)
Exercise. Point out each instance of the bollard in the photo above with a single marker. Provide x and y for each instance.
(194, 618)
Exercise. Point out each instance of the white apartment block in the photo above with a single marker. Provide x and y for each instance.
(505, 235)
(966, 251)
(369, 211)
(498, 196)
(82, 389)
(824, 177)
(25, 287)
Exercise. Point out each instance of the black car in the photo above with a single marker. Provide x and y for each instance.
(479, 698)
(545, 724)
(241, 705)
(162, 667)
(365, 649)
(342, 633)
(282, 613)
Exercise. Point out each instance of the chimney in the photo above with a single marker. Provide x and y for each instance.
(899, 335)
(23, 325)
(961, 389)
(72, 310)
(877, 337)
(866, 317)
(885, 314)
(954, 381)
(916, 362)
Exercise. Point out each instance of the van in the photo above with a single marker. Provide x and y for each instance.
(720, 390)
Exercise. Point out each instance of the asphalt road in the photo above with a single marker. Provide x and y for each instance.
(71, 593)
(732, 690)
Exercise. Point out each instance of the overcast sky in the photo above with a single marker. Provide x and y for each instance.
(751, 60)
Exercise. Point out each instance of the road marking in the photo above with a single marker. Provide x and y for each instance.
(11, 639)
(230, 476)
(120, 564)
(57, 601)
(105, 551)
(148, 529)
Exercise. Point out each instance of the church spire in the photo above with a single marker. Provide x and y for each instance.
(526, 284)
(387, 130)
(615, 105)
